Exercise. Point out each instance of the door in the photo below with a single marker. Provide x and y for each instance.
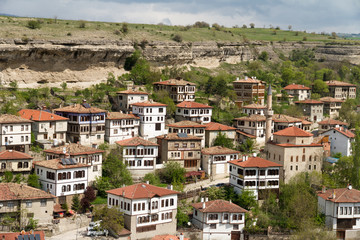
(235, 235)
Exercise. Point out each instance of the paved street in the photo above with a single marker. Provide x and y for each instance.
(71, 235)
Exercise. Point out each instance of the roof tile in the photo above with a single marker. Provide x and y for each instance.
(186, 104)
(174, 82)
(219, 206)
(218, 150)
(342, 195)
(40, 115)
(12, 154)
(15, 191)
(135, 141)
(213, 126)
(79, 108)
(254, 162)
(296, 87)
(293, 132)
(74, 149)
(141, 190)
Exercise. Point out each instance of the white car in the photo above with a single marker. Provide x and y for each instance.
(95, 229)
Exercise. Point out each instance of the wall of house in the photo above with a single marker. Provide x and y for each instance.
(202, 115)
(339, 143)
(42, 210)
(210, 136)
(124, 131)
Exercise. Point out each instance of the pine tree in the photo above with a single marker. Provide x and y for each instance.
(75, 203)
(356, 153)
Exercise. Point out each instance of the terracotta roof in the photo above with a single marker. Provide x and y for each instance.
(219, 206)
(296, 87)
(218, 150)
(141, 190)
(124, 232)
(330, 99)
(246, 134)
(321, 139)
(15, 191)
(79, 108)
(285, 118)
(255, 106)
(12, 154)
(175, 82)
(342, 195)
(175, 136)
(9, 118)
(132, 92)
(149, 104)
(40, 115)
(309, 101)
(280, 95)
(213, 126)
(254, 162)
(135, 141)
(305, 122)
(57, 165)
(339, 83)
(14, 235)
(119, 115)
(248, 80)
(58, 208)
(186, 104)
(295, 145)
(293, 132)
(329, 121)
(74, 149)
(343, 131)
(253, 117)
(186, 124)
(167, 237)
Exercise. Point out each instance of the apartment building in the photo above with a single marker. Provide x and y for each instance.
(190, 128)
(313, 109)
(249, 90)
(254, 108)
(299, 92)
(282, 121)
(329, 123)
(178, 89)
(86, 124)
(253, 125)
(125, 99)
(46, 125)
(193, 111)
(148, 210)
(341, 90)
(120, 126)
(15, 162)
(213, 129)
(332, 106)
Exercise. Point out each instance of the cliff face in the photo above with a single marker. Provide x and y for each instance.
(86, 62)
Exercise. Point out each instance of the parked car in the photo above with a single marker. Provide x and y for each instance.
(95, 229)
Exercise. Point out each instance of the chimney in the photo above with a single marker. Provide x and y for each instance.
(203, 205)
(254, 154)
(323, 190)
(349, 187)
(333, 194)
(123, 193)
(206, 199)
(147, 182)
(170, 187)
(244, 158)
(230, 201)
(181, 237)
(202, 199)
(237, 79)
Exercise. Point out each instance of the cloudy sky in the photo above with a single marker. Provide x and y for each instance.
(310, 15)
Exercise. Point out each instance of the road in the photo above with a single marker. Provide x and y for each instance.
(71, 235)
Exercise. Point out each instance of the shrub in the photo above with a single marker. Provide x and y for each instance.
(82, 24)
(125, 28)
(177, 38)
(201, 24)
(216, 26)
(252, 25)
(264, 56)
(33, 24)
(244, 26)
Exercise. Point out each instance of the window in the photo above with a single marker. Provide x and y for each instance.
(226, 216)
(10, 204)
(43, 203)
(235, 227)
(28, 204)
(212, 226)
(190, 154)
(161, 110)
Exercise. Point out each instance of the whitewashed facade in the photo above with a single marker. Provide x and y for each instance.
(119, 126)
(125, 99)
(341, 141)
(193, 111)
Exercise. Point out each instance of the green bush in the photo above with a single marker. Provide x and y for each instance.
(33, 24)
(177, 38)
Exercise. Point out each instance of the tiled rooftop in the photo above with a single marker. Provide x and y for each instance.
(219, 206)
(9, 118)
(254, 162)
(186, 104)
(15, 191)
(40, 115)
(293, 132)
(79, 108)
(135, 141)
(218, 150)
(175, 82)
(74, 149)
(141, 190)
(213, 126)
(341, 195)
(119, 115)
(12, 154)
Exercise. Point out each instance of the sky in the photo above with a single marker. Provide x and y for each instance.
(341, 16)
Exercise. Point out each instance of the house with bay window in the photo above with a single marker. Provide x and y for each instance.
(193, 111)
(86, 124)
(14, 161)
(120, 126)
(219, 219)
(255, 174)
(148, 210)
(125, 99)
(139, 155)
(189, 127)
(179, 90)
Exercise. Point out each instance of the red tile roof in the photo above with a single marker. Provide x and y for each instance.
(14, 235)
(79, 108)
(175, 136)
(186, 124)
(285, 118)
(345, 132)
(329, 121)
(174, 82)
(40, 116)
(219, 206)
(255, 106)
(213, 126)
(12, 154)
(342, 195)
(130, 92)
(186, 104)
(149, 104)
(74, 149)
(309, 101)
(9, 118)
(218, 150)
(246, 134)
(254, 162)
(293, 132)
(141, 190)
(339, 83)
(57, 165)
(253, 117)
(135, 141)
(330, 99)
(296, 87)
(15, 191)
(248, 80)
(119, 115)
(295, 145)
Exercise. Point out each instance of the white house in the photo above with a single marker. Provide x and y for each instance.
(120, 126)
(214, 161)
(179, 90)
(253, 125)
(126, 98)
(190, 128)
(15, 133)
(81, 154)
(213, 129)
(340, 140)
(255, 174)
(16, 162)
(46, 125)
(300, 92)
(148, 210)
(139, 155)
(62, 177)
(193, 111)
(342, 211)
(254, 108)
(152, 118)
(219, 219)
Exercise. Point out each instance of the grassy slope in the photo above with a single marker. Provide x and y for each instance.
(15, 27)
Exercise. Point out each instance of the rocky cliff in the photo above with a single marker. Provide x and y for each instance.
(80, 63)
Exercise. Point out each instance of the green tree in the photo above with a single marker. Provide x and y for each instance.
(222, 140)
(173, 173)
(246, 199)
(112, 218)
(214, 193)
(8, 176)
(33, 24)
(153, 178)
(125, 28)
(164, 97)
(131, 61)
(17, 178)
(75, 203)
(63, 86)
(264, 56)
(32, 224)
(177, 38)
(247, 146)
(294, 111)
(356, 154)
(33, 181)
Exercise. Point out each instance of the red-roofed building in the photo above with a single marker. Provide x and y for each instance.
(255, 174)
(120, 126)
(139, 155)
(313, 109)
(341, 90)
(179, 89)
(46, 126)
(36, 235)
(253, 125)
(341, 140)
(125, 99)
(219, 219)
(296, 151)
(213, 129)
(300, 92)
(247, 90)
(189, 127)
(341, 208)
(170, 237)
(193, 111)
(148, 210)
(254, 108)
(332, 106)
(14, 161)
(329, 123)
